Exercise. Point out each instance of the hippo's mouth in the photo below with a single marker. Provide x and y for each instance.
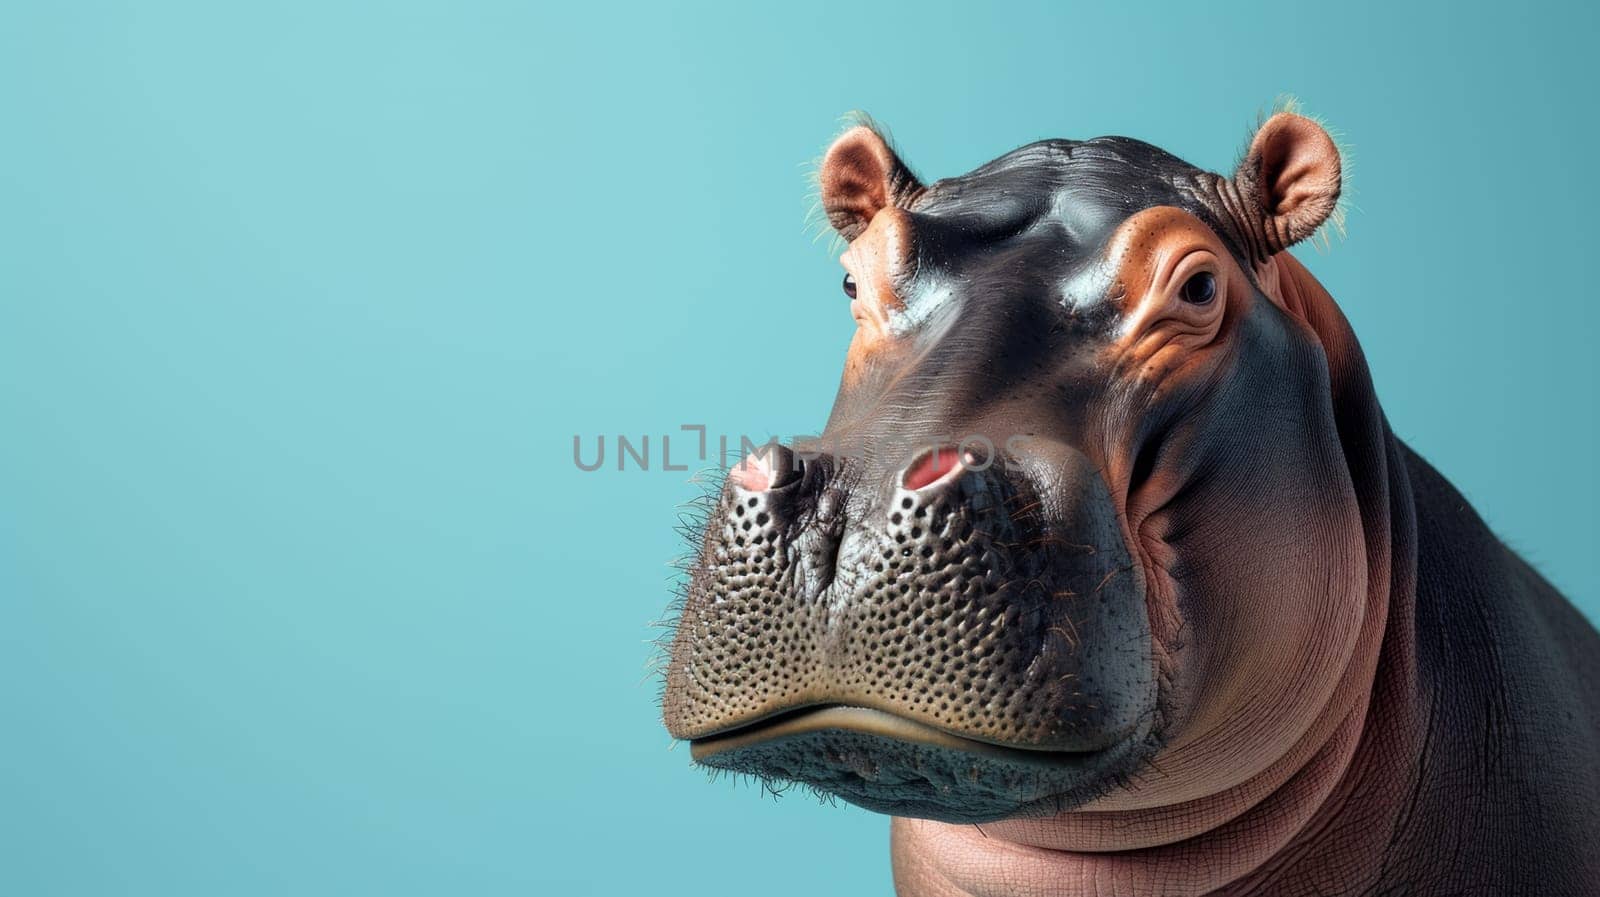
(961, 646)
(902, 767)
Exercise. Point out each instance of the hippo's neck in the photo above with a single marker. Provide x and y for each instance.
(1327, 804)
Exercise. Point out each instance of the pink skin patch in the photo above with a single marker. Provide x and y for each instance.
(753, 474)
(939, 464)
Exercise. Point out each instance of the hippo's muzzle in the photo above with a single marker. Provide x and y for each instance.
(961, 639)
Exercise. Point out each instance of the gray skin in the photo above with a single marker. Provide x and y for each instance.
(1184, 560)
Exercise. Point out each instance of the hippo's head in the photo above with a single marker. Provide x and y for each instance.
(1048, 552)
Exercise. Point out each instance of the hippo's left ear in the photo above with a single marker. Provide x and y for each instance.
(860, 177)
(1289, 180)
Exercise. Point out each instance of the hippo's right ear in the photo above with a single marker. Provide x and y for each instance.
(1289, 180)
(861, 176)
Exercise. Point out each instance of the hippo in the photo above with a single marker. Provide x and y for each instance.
(1107, 574)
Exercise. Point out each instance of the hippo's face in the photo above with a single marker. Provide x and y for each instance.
(1045, 555)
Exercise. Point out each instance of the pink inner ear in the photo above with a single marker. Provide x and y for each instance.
(1299, 174)
(860, 177)
(931, 468)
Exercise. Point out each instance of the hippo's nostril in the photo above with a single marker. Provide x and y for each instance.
(935, 466)
(767, 467)
(753, 474)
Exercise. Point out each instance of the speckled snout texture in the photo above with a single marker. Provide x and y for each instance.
(971, 606)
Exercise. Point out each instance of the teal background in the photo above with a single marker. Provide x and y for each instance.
(301, 305)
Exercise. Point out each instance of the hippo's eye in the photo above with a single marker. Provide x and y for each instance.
(850, 286)
(1200, 289)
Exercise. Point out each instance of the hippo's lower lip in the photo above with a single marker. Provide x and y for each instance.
(890, 764)
(864, 720)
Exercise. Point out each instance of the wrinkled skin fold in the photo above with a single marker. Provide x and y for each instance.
(1107, 575)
